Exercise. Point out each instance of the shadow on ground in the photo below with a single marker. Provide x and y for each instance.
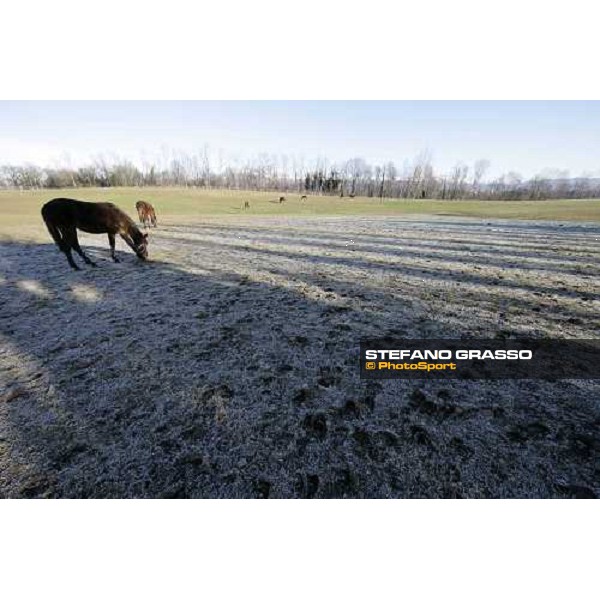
(218, 374)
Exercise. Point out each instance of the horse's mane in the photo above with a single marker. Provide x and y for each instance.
(134, 232)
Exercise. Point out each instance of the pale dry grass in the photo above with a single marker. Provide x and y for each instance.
(22, 208)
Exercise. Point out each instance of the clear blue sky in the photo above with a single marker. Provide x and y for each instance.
(514, 136)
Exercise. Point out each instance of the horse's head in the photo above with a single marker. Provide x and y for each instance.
(141, 246)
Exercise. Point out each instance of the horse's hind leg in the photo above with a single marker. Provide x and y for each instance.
(75, 245)
(111, 241)
(66, 245)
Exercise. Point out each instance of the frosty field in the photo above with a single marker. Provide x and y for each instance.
(228, 365)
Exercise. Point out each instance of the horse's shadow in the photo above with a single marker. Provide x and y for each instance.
(140, 379)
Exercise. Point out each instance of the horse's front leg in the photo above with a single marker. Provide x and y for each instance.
(67, 251)
(111, 242)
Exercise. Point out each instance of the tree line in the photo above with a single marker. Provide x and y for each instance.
(354, 177)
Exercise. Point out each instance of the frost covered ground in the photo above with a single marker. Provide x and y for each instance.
(228, 366)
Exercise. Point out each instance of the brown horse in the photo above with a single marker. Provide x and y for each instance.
(146, 213)
(63, 217)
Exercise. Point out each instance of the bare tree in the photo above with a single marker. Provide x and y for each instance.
(205, 160)
(391, 174)
(355, 168)
(421, 175)
(270, 172)
(458, 178)
(479, 170)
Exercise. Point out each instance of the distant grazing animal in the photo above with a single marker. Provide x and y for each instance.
(351, 195)
(281, 199)
(302, 198)
(146, 213)
(63, 217)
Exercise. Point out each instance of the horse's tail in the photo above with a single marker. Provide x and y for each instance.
(53, 229)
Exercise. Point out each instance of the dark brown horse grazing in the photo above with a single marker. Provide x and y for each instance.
(146, 213)
(63, 217)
